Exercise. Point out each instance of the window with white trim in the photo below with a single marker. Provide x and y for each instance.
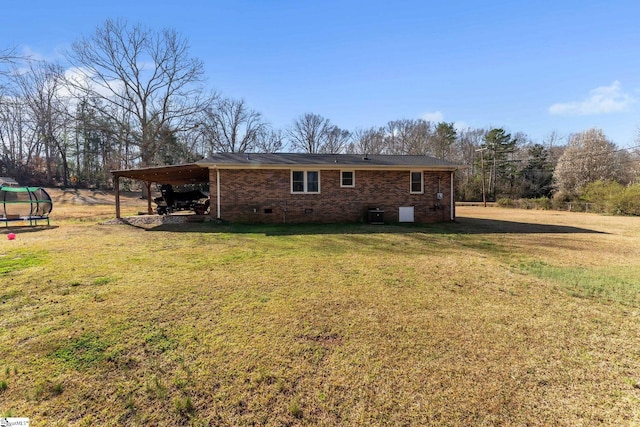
(417, 182)
(305, 181)
(347, 178)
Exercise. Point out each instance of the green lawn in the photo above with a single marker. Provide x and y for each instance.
(503, 318)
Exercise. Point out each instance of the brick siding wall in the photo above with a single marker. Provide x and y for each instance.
(264, 196)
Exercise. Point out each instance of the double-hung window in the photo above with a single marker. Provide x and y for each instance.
(417, 182)
(305, 181)
(347, 179)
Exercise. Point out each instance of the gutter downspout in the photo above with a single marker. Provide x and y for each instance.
(218, 191)
(453, 201)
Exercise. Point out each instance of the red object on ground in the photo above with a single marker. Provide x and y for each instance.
(11, 236)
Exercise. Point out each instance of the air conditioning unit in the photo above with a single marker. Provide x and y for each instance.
(375, 216)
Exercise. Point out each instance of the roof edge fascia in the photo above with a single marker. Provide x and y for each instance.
(337, 166)
(157, 168)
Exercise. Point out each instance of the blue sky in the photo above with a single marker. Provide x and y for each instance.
(532, 67)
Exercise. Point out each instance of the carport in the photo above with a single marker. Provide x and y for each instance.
(190, 173)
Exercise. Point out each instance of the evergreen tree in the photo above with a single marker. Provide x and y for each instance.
(537, 175)
(502, 170)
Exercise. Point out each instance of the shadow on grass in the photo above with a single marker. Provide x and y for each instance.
(18, 229)
(488, 226)
(461, 226)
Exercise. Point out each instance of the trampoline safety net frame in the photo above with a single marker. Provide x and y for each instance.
(24, 202)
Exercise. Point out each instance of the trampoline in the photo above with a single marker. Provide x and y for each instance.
(24, 204)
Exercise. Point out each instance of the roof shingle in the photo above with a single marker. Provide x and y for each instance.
(345, 160)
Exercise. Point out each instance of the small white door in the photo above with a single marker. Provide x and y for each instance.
(406, 214)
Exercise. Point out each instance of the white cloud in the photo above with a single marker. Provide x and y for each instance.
(601, 100)
(82, 77)
(436, 117)
(77, 74)
(53, 56)
(27, 52)
(461, 125)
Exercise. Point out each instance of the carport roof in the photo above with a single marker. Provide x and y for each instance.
(189, 173)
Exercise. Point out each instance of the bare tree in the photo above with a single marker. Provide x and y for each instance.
(336, 141)
(15, 139)
(409, 136)
(41, 90)
(309, 133)
(555, 144)
(634, 165)
(141, 74)
(467, 143)
(369, 141)
(99, 144)
(269, 141)
(10, 118)
(466, 152)
(8, 56)
(232, 127)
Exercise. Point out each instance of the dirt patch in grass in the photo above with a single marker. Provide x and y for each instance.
(504, 318)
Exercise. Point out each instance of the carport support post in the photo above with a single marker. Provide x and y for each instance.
(116, 186)
(149, 209)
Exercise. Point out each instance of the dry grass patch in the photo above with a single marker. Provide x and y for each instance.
(487, 321)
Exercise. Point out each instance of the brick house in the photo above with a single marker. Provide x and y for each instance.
(323, 188)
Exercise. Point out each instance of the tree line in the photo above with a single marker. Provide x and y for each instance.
(130, 96)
